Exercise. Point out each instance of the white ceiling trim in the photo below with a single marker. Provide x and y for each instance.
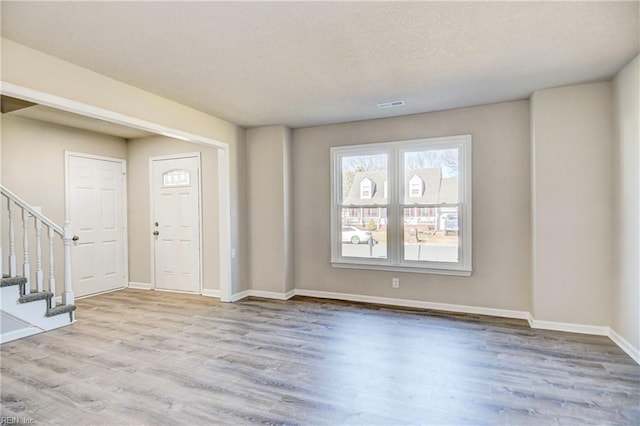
(68, 105)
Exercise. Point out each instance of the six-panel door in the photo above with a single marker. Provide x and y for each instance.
(96, 212)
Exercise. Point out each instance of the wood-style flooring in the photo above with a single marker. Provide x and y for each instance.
(153, 358)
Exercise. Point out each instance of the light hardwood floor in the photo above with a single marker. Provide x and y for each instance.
(143, 357)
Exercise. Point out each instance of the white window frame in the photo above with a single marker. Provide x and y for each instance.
(395, 189)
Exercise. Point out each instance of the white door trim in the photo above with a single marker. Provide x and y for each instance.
(224, 198)
(151, 206)
(125, 211)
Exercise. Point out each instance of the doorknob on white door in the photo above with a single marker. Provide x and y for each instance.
(156, 233)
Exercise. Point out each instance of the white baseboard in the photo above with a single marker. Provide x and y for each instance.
(239, 296)
(166, 290)
(97, 294)
(504, 313)
(595, 330)
(140, 286)
(632, 351)
(264, 294)
(211, 293)
(272, 294)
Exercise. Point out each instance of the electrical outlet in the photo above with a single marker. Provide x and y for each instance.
(395, 282)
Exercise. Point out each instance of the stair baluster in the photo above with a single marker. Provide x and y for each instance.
(12, 243)
(52, 274)
(14, 285)
(39, 274)
(54, 231)
(26, 270)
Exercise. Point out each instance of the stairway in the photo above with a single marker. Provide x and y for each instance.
(27, 313)
(24, 310)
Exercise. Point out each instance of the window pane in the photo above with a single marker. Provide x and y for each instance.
(176, 178)
(418, 189)
(431, 234)
(431, 176)
(364, 232)
(363, 179)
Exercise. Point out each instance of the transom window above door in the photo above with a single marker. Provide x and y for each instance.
(176, 178)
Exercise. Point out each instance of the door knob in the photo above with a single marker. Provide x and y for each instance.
(156, 233)
(75, 238)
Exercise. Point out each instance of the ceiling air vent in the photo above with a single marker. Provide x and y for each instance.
(391, 104)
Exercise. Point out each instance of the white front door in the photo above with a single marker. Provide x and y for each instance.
(96, 211)
(175, 189)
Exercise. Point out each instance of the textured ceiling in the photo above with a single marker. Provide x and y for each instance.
(310, 63)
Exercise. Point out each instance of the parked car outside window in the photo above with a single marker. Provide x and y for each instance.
(354, 235)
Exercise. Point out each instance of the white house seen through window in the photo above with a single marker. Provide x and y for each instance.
(365, 188)
(420, 221)
(415, 186)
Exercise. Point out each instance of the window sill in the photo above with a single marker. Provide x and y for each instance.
(412, 269)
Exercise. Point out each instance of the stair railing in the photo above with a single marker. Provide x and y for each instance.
(63, 232)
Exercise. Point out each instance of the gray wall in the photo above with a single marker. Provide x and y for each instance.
(572, 194)
(501, 207)
(239, 213)
(33, 159)
(269, 199)
(626, 174)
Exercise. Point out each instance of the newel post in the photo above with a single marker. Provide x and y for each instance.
(67, 295)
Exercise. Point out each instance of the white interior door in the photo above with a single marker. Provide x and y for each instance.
(96, 211)
(175, 185)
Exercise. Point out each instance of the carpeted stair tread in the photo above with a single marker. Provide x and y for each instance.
(9, 281)
(60, 309)
(43, 295)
